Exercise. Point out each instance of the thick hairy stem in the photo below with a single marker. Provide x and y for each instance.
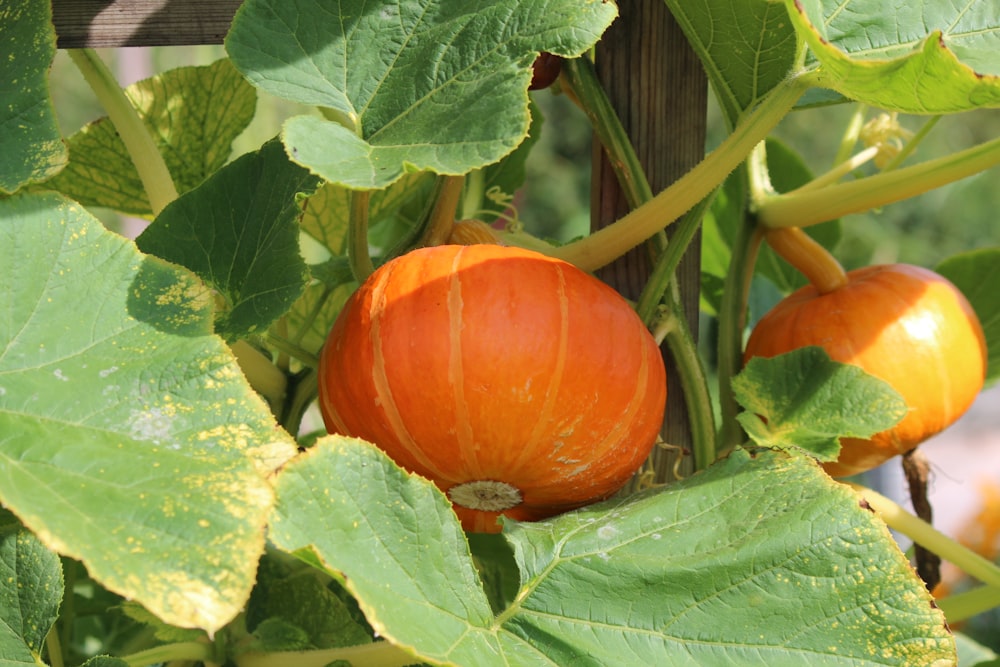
(801, 209)
(605, 245)
(357, 236)
(732, 320)
(442, 216)
(808, 257)
(694, 385)
(141, 148)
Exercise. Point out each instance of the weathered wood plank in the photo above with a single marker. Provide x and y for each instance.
(108, 23)
(658, 87)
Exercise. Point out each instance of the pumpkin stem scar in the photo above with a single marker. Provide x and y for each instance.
(486, 495)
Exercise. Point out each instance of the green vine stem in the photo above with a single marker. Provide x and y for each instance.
(732, 320)
(442, 216)
(188, 651)
(54, 647)
(674, 330)
(376, 654)
(357, 236)
(814, 206)
(146, 157)
(840, 170)
(604, 245)
(579, 75)
(930, 538)
(266, 378)
(850, 137)
(965, 605)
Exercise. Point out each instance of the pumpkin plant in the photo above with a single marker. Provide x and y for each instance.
(520, 385)
(170, 491)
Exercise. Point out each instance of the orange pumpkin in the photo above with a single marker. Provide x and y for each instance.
(903, 324)
(516, 382)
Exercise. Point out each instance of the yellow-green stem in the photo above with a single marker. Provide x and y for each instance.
(357, 236)
(811, 207)
(842, 169)
(851, 134)
(965, 605)
(442, 216)
(148, 160)
(53, 646)
(930, 538)
(376, 654)
(188, 651)
(808, 257)
(611, 242)
(266, 378)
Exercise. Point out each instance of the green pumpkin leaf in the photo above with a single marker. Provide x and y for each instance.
(803, 399)
(784, 561)
(238, 233)
(31, 146)
(437, 85)
(976, 274)
(195, 138)
(131, 440)
(922, 57)
(746, 46)
(31, 590)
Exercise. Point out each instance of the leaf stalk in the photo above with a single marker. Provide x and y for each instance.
(146, 157)
(609, 243)
(801, 209)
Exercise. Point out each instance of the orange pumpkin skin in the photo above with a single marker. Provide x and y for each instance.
(903, 324)
(497, 364)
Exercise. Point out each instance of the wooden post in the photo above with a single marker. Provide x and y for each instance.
(658, 87)
(108, 23)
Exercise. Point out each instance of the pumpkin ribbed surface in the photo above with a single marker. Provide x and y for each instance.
(484, 363)
(903, 324)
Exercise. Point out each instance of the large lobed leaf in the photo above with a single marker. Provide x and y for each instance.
(128, 436)
(804, 399)
(761, 559)
(31, 147)
(921, 56)
(193, 115)
(746, 46)
(436, 85)
(238, 232)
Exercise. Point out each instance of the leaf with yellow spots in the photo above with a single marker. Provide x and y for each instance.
(760, 559)
(129, 438)
(31, 589)
(238, 232)
(31, 147)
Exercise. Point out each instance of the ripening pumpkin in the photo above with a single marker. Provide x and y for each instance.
(903, 324)
(517, 383)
